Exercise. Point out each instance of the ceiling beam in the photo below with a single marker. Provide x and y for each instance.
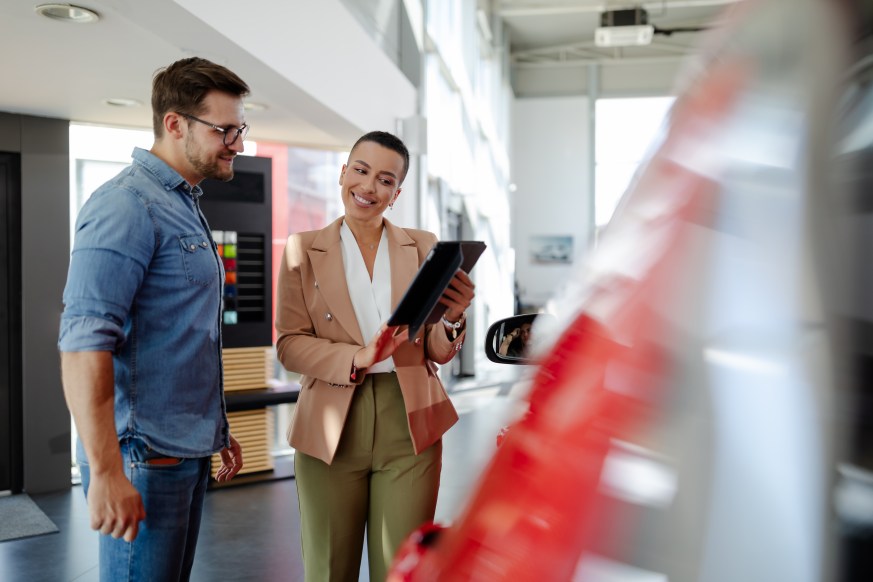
(509, 8)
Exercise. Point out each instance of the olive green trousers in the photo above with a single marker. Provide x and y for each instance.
(375, 481)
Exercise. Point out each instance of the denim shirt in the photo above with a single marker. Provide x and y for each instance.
(145, 283)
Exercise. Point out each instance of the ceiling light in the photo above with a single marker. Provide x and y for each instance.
(254, 106)
(67, 13)
(639, 35)
(122, 102)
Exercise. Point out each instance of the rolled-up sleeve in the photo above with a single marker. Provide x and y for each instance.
(114, 242)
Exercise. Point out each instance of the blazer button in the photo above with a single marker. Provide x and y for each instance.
(328, 316)
(316, 284)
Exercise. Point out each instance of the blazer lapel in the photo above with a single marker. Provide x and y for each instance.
(327, 264)
(404, 261)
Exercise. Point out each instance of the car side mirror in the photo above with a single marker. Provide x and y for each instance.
(507, 340)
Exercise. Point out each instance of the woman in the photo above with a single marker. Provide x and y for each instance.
(368, 424)
(515, 342)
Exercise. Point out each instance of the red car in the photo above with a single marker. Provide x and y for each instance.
(699, 411)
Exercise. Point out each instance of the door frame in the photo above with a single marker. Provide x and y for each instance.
(11, 411)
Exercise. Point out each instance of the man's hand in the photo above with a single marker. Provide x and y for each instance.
(115, 506)
(231, 461)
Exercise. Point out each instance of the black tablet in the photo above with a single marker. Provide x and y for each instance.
(420, 304)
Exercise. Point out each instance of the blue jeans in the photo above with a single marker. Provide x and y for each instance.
(173, 498)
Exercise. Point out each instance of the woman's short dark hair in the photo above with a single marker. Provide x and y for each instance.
(390, 141)
(183, 85)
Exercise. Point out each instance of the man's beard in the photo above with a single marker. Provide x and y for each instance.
(206, 169)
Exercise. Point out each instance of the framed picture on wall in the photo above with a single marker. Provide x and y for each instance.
(551, 249)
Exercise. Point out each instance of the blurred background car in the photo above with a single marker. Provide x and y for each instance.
(701, 403)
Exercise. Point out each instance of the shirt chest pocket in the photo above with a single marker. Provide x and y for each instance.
(198, 259)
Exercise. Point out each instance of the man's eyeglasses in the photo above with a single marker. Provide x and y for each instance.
(229, 134)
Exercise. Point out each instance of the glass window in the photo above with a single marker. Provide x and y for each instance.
(624, 131)
(307, 198)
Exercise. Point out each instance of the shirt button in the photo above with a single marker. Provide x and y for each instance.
(328, 316)
(203, 244)
(316, 284)
(192, 247)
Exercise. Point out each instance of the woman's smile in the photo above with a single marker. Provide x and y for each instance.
(363, 201)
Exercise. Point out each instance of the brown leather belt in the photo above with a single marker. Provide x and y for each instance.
(163, 461)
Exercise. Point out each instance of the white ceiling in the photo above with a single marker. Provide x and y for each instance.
(61, 70)
(559, 31)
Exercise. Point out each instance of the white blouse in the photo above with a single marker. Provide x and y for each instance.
(371, 300)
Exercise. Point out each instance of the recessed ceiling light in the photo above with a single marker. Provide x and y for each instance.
(122, 102)
(67, 13)
(254, 106)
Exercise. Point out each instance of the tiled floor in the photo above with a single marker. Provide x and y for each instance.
(250, 532)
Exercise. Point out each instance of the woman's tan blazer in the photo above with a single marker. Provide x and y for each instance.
(318, 336)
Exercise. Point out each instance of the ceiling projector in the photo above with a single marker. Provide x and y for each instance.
(629, 27)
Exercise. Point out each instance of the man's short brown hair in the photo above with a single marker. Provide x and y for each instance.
(183, 85)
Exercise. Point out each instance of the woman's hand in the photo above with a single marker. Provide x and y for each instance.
(384, 343)
(458, 296)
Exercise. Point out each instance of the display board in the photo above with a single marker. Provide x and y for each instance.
(239, 213)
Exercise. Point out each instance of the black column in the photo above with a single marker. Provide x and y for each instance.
(10, 323)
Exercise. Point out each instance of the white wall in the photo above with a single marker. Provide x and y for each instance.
(550, 163)
(620, 78)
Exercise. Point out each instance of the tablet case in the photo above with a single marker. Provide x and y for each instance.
(420, 304)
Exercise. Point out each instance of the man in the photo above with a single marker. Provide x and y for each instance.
(140, 333)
